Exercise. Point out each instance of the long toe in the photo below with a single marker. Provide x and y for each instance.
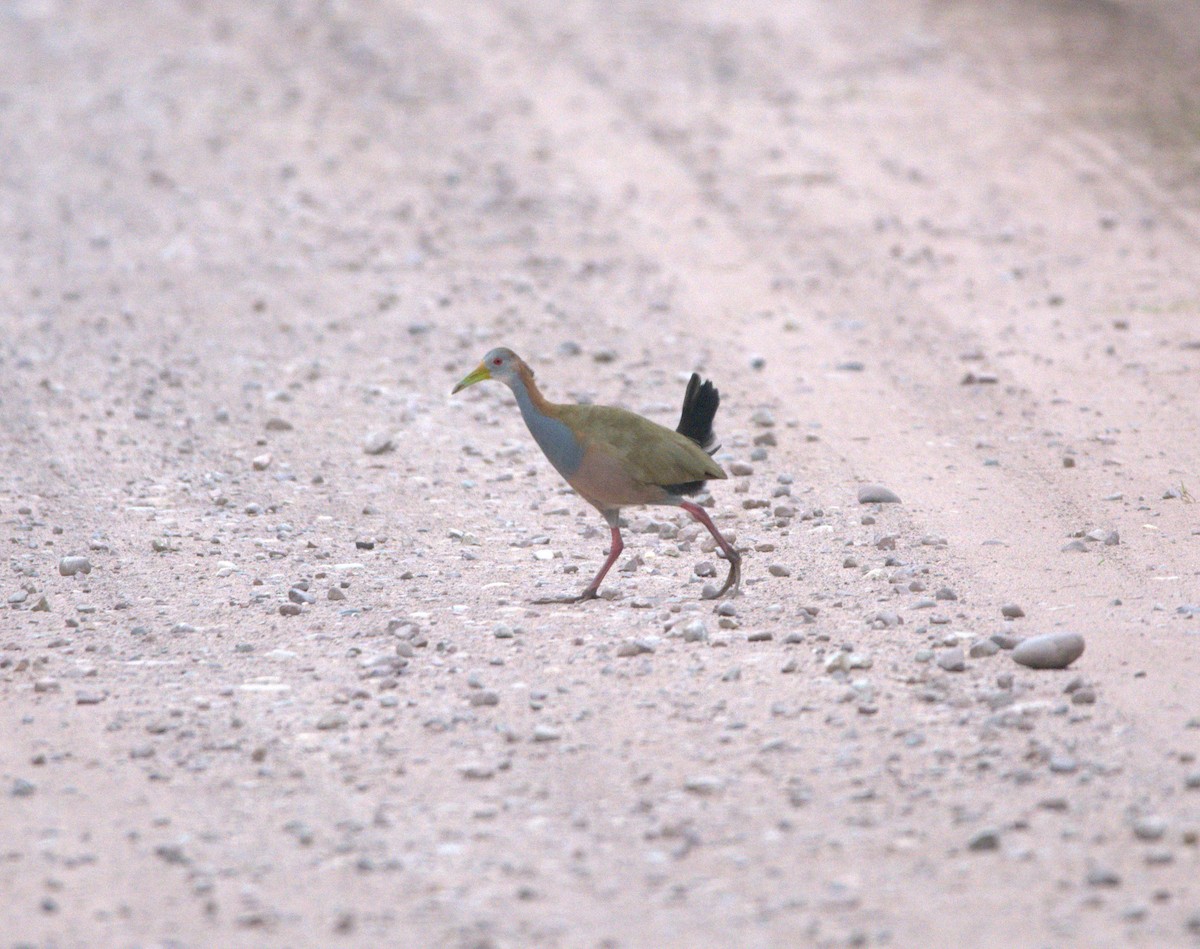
(588, 594)
(734, 580)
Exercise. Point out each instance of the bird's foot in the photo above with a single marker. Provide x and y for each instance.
(734, 580)
(588, 594)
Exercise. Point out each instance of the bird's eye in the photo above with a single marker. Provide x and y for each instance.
(497, 361)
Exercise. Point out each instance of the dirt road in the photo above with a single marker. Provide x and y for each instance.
(299, 694)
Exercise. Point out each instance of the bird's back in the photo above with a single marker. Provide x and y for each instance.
(650, 453)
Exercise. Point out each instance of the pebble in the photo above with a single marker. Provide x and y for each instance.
(759, 636)
(1011, 611)
(89, 698)
(705, 568)
(296, 595)
(336, 594)
(1050, 651)
(703, 784)
(484, 697)
(289, 609)
(633, 647)
(1075, 546)
(277, 424)
(778, 570)
(1103, 876)
(69, 566)
(377, 443)
(952, 660)
(982, 648)
(546, 733)
(261, 462)
(1192, 781)
(984, 840)
(1084, 696)
(877, 494)
(1006, 640)
(330, 721)
(1063, 764)
(842, 661)
(945, 593)
(695, 632)
(1151, 827)
(477, 771)
(23, 788)
(741, 468)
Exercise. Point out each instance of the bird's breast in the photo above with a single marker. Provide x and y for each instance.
(556, 441)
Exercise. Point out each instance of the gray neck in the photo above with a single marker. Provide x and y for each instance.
(555, 439)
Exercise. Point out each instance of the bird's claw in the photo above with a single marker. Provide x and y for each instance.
(588, 594)
(734, 581)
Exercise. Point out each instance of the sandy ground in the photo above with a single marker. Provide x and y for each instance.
(949, 247)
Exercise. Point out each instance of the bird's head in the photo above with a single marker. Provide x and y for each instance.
(501, 364)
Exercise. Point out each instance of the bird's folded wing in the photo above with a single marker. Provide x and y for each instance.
(648, 453)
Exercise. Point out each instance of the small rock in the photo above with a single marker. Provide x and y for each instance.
(69, 566)
(261, 462)
(477, 771)
(695, 632)
(703, 785)
(1050, 651)
(23, 788)
(1006, 640)
(330, 721)
(546, 733)
(378, 443)
(484, 697)
(945, 593)
(877, 494)
(778, 570)
(633, 647)
(741, 469)
(705, 568)
(982, 648)
(1074, 547)
(1084, 696)
(1103, 876)
(335, 593)
(289, 609)
(89, 698)
(952, 660)
(296, 595)
(1149, 828)
(984, 840)
(278, 425)
(1011, 611)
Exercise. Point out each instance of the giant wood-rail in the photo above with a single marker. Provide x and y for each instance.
(614, 458)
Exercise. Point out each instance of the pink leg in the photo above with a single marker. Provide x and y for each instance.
(613, 553)
(592, 591)
(735, 559)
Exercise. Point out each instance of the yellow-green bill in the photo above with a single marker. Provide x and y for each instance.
(478, 375)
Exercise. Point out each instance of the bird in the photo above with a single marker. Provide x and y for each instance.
(614, 458)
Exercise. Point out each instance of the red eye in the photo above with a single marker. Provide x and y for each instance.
(497, 361)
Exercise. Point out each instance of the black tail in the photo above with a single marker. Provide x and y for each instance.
(699, 409)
